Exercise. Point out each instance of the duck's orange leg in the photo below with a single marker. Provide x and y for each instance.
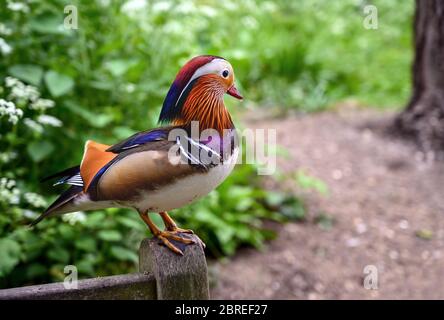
(165, 236)
(170, 225)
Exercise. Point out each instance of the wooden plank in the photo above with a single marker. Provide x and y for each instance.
(177, 277)
(129, 286)
(163, 275)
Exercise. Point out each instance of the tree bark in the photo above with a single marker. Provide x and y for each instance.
(423, 118)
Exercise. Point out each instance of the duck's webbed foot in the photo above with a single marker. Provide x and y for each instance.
(171, 226)
(174, 238)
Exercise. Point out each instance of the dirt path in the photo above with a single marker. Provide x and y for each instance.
(381, 195)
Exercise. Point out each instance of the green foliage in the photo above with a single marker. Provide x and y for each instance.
(58, 84)
(10, 255)
(99, 243)
(27, 72)
(324, 221)
(306, 181)
(107, 80)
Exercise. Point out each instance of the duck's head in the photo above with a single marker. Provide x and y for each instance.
(197, 94)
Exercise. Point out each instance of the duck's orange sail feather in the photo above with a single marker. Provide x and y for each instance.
(94, 158)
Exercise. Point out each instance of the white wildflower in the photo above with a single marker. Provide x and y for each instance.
(9, 193)
(35, 200)
(6, 157)
(33, 125)
(133, 6)
(173, 27)
(186, 7)
(20, 91)
(130, 87)
(42, 104)
(49, 120)
(8, 108)
(230, 5)
(74, 217)
(5, 48)
(250, 22)
(12, 82)
(13, 119)
(8, 183)
(18, 6)
(32, 93)
(161, 6)
(30, 214)
(4, 30)
(207, 11)
(105, 3)
(269, 6)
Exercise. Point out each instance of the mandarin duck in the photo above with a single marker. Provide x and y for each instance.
(155, 171)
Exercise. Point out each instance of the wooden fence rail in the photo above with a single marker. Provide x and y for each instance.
(162, 275)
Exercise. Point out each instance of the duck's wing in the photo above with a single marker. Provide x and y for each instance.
(84, 177)
(143, 162)
(141, 138)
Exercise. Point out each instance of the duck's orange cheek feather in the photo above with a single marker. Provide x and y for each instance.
(94, 159)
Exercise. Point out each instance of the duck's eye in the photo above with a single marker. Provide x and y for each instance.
(225, 73)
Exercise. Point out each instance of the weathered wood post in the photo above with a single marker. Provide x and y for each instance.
(163, 275)
(177, 277)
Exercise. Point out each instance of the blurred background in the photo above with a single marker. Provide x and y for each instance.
(307, 68)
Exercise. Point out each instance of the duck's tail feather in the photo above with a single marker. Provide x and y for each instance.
(61, 201)
(64, 175)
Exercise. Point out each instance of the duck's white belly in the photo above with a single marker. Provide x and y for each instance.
(186, 190)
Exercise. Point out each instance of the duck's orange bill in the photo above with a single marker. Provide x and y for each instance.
(234, 92)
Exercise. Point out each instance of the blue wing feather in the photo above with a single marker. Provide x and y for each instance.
(139, 139)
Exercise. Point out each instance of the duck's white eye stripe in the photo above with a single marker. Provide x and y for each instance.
(211, 67)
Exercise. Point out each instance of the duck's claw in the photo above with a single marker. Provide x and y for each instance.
(173, 240)
(180, 230)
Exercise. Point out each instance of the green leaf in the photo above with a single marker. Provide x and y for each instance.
(58, 84)
(102, 85)
(48, 23)
(39, 150)
(86, 266)
(274, 198)
(306, 181)
(95, 219)
(86, 244)
(124, 254)
(119, 67)
(293, 208)
(244, 204)
(123, 132)
(10, 255)
(110, 235)
(131, 223)
(36, 270)
(27, 72)
(58, 254)
(94, 119)
(67, 232)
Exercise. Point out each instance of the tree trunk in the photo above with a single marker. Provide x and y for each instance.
(423, 118)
